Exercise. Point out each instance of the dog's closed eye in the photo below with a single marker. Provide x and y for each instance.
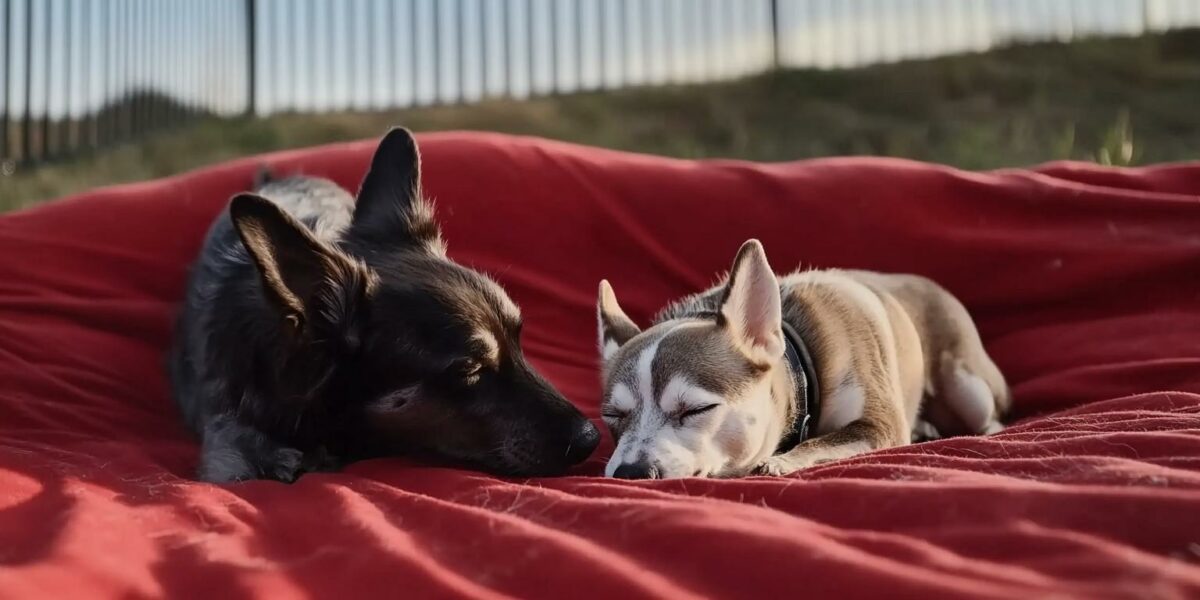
(612, 414)
(468, 369)
(685, 413)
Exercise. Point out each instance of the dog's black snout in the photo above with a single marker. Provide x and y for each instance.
(583, 442)
(638, 470)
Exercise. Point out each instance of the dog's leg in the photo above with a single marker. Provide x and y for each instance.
(235, 452)
(969, 397)
(924, 431)
(882, 429)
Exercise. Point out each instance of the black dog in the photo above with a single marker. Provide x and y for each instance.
(317, 330)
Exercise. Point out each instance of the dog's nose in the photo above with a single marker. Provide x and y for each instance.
(637, 470)
(585, 440)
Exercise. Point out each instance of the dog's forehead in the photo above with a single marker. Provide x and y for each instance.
(487, 311)
(700, 352)
(461, 305)
(475, 295)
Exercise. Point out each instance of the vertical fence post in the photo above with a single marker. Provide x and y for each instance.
(67, 123)
(143, 51)
(460, 54)
(312, 55)
(602, 43)
(437, 52)
(579, 45)
(705, 35)
(552, 33)
(155, 83)
(175, 68)
(47, 80)
(292, 51)
(172, 67)
(271, 70)
(104, 109)
(508, 85)
(393, 25)
(348, 19)
(208, 34)
(161, 66)
(167, 64)
(415, 46)
(529, 27)
(189, 71)
(147, 52)
(146, 66)
(485, 39)
(330, 61)
(622, 63)
(670, 43)
(27, 120)
(647, 19)
(775, 37)
(136, 58)
(251, 43)
(732, 35)
(5, 55)
(125, 39)
(369, 60)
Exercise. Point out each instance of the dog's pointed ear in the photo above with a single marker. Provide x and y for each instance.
(751, 306)
(296, 268)
(390, 205)
(616, 327)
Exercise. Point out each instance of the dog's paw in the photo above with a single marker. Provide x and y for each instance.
(775, 466)
(286, 465)
(786, 465)
(224, 465)
(924, 431)
(321, 460)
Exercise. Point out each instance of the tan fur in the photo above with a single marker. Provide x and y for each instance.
(898, 357)
(901, 362)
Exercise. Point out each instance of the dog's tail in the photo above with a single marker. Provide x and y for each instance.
(262, 177)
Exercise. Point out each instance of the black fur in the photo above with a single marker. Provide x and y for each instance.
(294, 353)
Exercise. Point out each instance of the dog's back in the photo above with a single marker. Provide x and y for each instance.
(321, 204)
(935, 351)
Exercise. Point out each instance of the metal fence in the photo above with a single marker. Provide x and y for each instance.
(77, 75)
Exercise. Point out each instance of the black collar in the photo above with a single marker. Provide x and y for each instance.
(808, 391)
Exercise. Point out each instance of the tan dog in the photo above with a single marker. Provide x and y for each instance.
(762, 375)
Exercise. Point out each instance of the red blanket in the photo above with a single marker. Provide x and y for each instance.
(1085, 282)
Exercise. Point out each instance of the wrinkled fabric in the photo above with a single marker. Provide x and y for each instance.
(1085, 282)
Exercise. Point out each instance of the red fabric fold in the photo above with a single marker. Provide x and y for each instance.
(1084, 281)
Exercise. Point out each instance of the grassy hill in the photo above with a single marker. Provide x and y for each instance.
(1119, 101)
